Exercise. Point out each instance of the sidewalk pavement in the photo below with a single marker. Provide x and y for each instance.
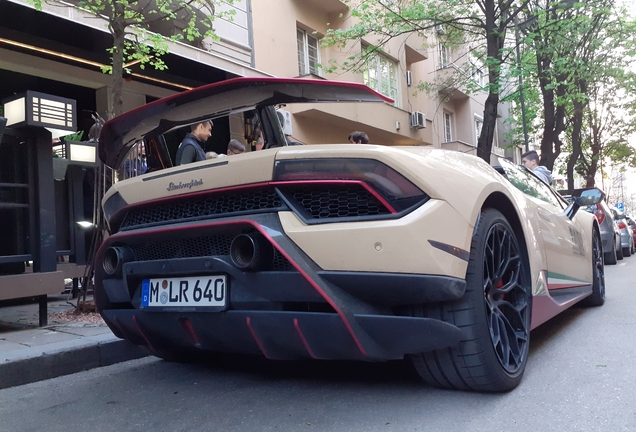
(70, 343)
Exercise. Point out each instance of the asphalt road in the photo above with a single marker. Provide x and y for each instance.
(581, 376)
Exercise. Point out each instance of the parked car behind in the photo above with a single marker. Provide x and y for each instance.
(632, 225)
(610, 233)
(627, 235)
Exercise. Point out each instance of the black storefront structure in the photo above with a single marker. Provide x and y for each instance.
(43, 244)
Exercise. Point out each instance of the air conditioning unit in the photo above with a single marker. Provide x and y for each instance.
(439, 29)
(418, 120)
(285, 119)
(409, 78)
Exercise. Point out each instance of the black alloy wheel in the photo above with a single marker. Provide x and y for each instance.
(506, 298)
(494, 315)
(597, 298)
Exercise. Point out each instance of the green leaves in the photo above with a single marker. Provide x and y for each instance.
(143, 29)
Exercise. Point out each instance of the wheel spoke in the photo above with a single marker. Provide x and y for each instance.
(507, 297)
(514, 340)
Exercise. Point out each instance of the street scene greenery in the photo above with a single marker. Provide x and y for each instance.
(570, 84)
(142, 29)
(562, 65)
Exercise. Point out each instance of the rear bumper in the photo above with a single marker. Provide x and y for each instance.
(296, 310)
(282, 335)
(607, 240)
(626, 239)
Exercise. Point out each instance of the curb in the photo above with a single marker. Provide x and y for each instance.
(65, 358)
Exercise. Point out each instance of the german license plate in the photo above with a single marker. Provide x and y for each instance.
(203, 291)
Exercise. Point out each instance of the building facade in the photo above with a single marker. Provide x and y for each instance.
(61, 51)
(62, 44)
(287, 36)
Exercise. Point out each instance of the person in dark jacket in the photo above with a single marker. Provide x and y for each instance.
(191, 148)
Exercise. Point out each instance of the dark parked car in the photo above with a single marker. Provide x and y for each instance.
(627, 234)
(632, 225)
(610, 233)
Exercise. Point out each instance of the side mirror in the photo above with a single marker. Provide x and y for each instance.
(587, 197)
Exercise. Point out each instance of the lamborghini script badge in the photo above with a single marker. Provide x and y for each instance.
(172, 186)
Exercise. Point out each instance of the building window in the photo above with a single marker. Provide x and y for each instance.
(308, 53)
(381, 75)
(444, 58)
(448, 127)
(479, 76)
(479, 123)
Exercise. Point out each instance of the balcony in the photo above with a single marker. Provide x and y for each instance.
(332, 123)
(414, 48)
(329, 6)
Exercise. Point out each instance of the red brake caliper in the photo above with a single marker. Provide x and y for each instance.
(499, 285)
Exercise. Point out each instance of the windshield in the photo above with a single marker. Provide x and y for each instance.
(528, 183)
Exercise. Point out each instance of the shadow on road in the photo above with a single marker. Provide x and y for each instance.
(316, 370)
(546, 331)
(398, 372)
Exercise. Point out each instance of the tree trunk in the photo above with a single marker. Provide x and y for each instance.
(495, 37)
(595, 146)
(549, 113)
(554, 115)
(577, 127)
(484, 143)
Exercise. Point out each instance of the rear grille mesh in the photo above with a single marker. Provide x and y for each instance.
(312, 201)
(197, 247)
(217, 205)
(183, 248)
(336, 201)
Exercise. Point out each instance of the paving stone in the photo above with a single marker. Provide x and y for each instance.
(37, 337)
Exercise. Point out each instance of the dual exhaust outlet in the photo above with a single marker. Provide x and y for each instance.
(248, 252)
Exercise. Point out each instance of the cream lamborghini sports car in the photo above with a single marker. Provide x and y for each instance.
(359, 252)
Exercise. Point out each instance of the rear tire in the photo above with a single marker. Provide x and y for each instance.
(494, 315)
(610, 257)
(627, 251)
(619, 253)
(598, 274)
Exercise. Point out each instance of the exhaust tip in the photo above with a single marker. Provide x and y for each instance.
(251, 252)
(114, 258)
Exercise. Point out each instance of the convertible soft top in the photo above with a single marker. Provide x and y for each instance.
(217, 99)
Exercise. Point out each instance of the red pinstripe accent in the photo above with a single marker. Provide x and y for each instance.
(256, 339)
(271, 240)
(303, 340)
(369, 189)
(187, 325)
(141, 332)
(116, 323)
(562, 286)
